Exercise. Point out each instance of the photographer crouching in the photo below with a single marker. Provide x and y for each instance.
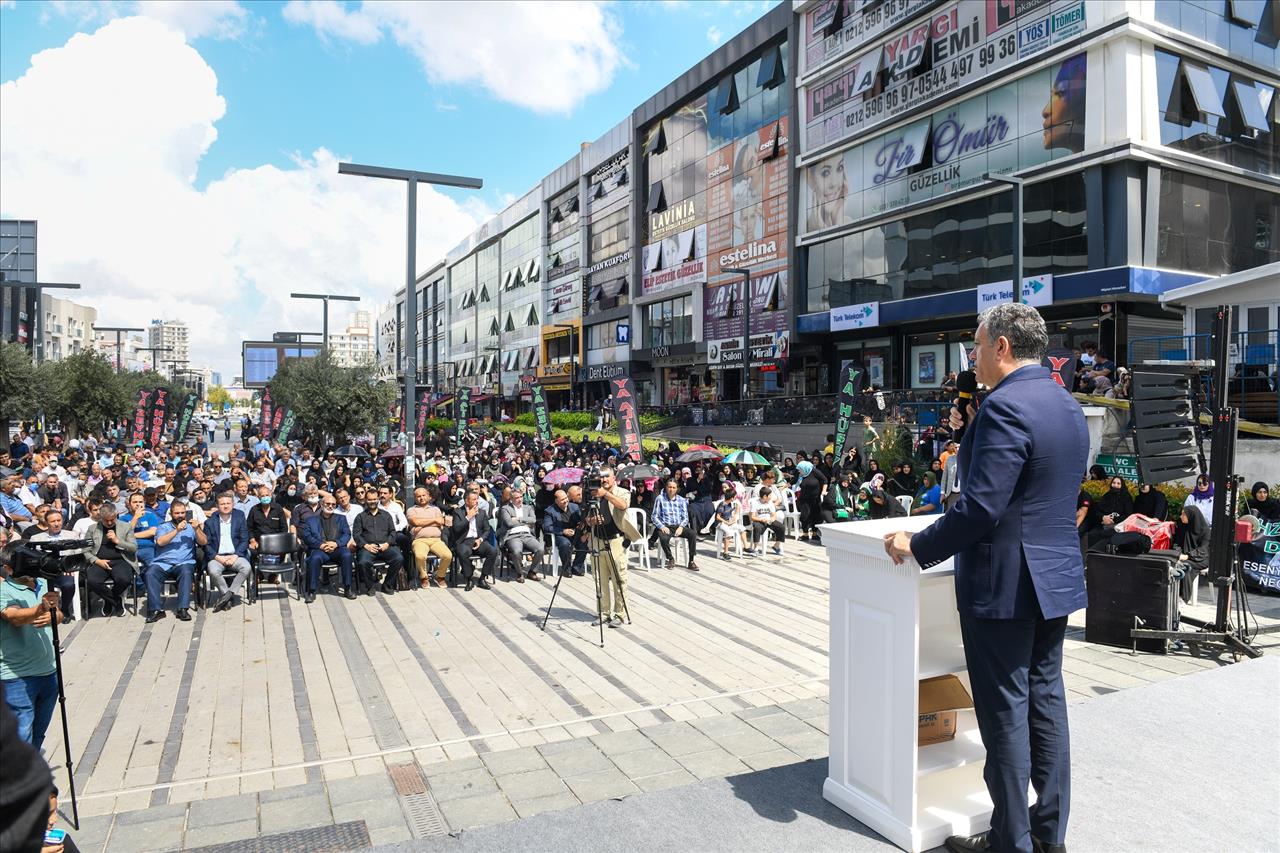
(608, 520)
(27, 668)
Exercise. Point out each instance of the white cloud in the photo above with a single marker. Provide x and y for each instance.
(8, 4)
(100, 141)
(714, 34)
(546, 56)
(220, 19)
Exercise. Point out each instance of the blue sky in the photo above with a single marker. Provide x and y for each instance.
(290, 89)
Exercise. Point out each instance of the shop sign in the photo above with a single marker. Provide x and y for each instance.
(677, 217)
(865, 315)
(623, 333)
(722, 352)
(1118, 466)
(965, 42)
(610, 168)
(722, 306)
(561, 369)
(601, 372)
(862, 22)
(609, 262)
(1037, 291)
(1003, 130)
(675, 261)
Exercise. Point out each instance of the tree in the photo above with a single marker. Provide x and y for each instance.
(218, 397)
(17, 381)
(335, 402)
(82, 390)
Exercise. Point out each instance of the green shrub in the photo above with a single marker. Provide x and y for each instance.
(1175, 493)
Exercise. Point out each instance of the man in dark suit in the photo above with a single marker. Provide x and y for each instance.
(326, 535)
(471, 538)
(1018, 575)
(226, 550)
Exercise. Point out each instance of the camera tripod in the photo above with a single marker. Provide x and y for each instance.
(593, 551)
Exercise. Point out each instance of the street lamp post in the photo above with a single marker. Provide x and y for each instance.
(154, 351)
(1017, 184)
(39, 286)
(497, 361)
(325, 297)
(412, 179)
(120, 331)
(745, 308)
(573, 352)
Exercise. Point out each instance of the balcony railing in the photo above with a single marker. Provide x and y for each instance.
(918, 408)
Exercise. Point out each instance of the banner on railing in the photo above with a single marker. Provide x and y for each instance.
(264, 416)
(541, 417)
(286, 426)
(1260, 559)
(140, 415)
(851, 378)
(159, 415)
(628, 416)
(462, 406)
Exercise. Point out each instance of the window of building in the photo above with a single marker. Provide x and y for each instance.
(1238, 26)
(1211, 226)
(669, 322)
(603, 335)
(609, 235)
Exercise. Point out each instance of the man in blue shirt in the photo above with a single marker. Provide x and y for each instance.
(27, 670)
(671, 518)
(175, 556)
(144, 523)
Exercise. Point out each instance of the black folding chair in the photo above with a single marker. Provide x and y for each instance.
(281, 553)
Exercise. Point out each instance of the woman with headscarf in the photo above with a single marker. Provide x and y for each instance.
(809, 498)
(1262, 504)
(1201, 498)
(1116, 505)
(1191, 541)
(840, 501)
(1151, 502)
(705, 489)
(881, 505)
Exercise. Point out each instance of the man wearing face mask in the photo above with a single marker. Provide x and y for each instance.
(265, 518)
(375, 537)
(326, 535)
(305, 509)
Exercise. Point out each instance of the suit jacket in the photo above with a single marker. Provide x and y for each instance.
(509, 517)
(949, 473)
(239, 534)
(313, 533)
(126, 542)
(460, 524)
(1012, 531)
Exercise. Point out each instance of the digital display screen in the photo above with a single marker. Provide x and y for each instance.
(261, 359)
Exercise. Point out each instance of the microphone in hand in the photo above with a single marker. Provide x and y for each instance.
(966, 389)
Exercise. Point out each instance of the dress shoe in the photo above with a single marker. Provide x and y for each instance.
(967, 843)
(442, 583)
(349, 594)
(1047, 846)
(471, 582)
(425, 583)
(155, 616)
(485, 583)
(183, 615)
(388, 589)
(577, 573)
(224, 603)
(534, 576)
(311, 598)
(519, 578)
(369, 592)
(693, 567)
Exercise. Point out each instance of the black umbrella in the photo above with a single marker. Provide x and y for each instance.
(764, 448)
(351, 451)
(699, 455)
(637, 472)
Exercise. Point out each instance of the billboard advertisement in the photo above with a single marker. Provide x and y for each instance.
(833, 28)
(957, 45)
(1024, 123)
(261, 359)
(747, 201)
(722, 307)
(676, 261)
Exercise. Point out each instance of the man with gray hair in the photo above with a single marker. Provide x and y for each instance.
(1018, 575)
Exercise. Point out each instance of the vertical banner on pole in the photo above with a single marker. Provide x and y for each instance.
(286, 426)
(186, 411)
(140, 415)
(264, 417)
(851, 378)
(628, 416)
(462, 405)
(423, 407)
(1062, 366)
(541, 417)
(276, 420)
(159, 415)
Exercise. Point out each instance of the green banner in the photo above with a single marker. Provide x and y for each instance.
(851, 377)
(462, 405)
(286, 426)
(541, 416)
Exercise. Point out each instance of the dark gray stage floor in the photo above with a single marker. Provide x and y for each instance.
(1191, 764)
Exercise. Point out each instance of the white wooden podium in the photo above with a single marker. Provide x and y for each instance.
(890, 627)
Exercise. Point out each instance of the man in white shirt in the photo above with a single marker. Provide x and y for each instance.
(350, 510)
(66, 583)
(404, 539)
(262, 475)
(764, 515)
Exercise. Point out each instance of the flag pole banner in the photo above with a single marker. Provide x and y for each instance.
(264, 417)
(287, 426)
(541, 417)
(1062, 366)
(630, 441)
(423, 408)
(140, 415)
(159, 415)
(462, 403)
(276, 420)
(851, 379)
(185, 413)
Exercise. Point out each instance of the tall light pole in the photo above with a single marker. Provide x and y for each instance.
(154, 351)
(38, 286)
(1017, 184)
(573, 353)
(745, 308)
(325, 297)
(120, 331)
(498, 361)
(412, 179)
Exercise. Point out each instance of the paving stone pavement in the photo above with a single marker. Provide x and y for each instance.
(723, 672)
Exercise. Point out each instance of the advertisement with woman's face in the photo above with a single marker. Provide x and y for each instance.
(748, 191)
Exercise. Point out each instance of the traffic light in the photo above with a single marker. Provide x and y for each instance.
(1165, 427)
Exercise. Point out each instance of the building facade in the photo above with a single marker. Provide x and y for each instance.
(174, 336)
(1143, 133)
(66, 327)
(18, 306)
(354, 345)
(131, 357)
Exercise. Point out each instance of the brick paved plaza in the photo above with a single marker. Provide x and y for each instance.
(386, 718)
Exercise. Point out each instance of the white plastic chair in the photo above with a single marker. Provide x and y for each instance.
(549, 543)
(640, 521)
(767, 542)
(790, 512)
(906, 501)
(736, 547)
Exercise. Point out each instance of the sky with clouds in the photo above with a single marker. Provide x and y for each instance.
(181, 155)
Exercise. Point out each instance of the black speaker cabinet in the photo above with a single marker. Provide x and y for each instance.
(1122, 587)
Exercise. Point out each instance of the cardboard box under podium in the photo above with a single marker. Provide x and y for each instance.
(940, 700)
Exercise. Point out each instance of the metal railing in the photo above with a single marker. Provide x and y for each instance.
(1253, 367)
(920, 408)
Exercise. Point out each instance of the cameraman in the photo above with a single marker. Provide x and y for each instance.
(609, 522)
(27, 668)
(67, 580)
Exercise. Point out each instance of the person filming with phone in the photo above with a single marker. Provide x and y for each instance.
(1018, 574)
